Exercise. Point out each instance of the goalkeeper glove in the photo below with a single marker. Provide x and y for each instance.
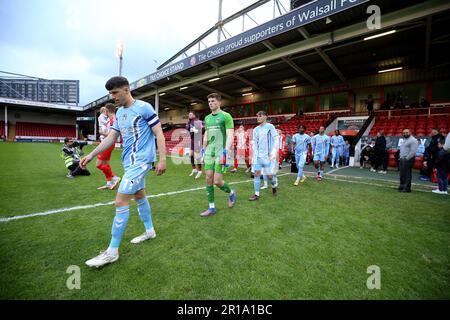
(223, 161)
(202, 156)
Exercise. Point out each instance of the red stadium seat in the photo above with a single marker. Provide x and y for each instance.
(45, 130)
(418, 163)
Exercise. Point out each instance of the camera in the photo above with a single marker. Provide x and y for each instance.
(80, 144)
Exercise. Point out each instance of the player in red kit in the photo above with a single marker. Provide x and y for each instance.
(103, 158)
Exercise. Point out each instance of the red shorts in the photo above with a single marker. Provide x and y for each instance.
(106, 155)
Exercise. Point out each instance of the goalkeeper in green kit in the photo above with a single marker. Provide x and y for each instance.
(217, 142)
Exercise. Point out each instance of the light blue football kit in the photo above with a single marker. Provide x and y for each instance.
(139, 147)
(301, 151)
(265, 145)
(320, 147)
(135, 124)
(338, 149)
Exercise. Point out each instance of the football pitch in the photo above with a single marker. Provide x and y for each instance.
(314, 241)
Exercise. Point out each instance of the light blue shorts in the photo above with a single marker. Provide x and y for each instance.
(319, 157)
(267, 167)
(134, 178)
(300, 159)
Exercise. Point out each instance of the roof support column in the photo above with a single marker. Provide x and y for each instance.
(6, 122)
(156, 101)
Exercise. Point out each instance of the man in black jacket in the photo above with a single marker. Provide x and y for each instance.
(381, 155)
(432, 150)
(442, 166)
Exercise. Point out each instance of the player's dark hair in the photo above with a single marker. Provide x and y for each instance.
(261, 112)
(110, 107)
(67, 139)
(214, 96)
(302, 126)
(116, 82)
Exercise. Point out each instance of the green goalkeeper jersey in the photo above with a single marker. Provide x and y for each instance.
(216, 126)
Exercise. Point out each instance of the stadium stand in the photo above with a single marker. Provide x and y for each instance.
(28, 129)
(312, 121)
(419, 121)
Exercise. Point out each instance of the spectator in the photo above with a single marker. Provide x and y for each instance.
(406, 160)
(370, 104)
(367, 155)
(442, 167)
(381, 154)
(424, 103)
(431, 151)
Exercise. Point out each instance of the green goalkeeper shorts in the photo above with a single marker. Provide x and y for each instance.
(212, 162)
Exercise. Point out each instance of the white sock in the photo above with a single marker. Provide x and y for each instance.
(212, 206)
(113, 251)
(150, 231)
(257, 193)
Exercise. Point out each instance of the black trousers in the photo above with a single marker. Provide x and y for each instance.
(381, 159)
(405, 167)
(430, 166)
(75, 170)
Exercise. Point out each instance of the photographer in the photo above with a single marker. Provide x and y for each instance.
(71, 152)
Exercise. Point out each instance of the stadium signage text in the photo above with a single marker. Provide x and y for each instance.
(294, 19)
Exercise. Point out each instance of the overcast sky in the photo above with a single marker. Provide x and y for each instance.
(77, 39)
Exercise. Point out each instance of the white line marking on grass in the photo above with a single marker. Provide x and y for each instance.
(46, 213)
(336, 169)
(375, 184)
(101, 204)
(386, 185)
(384, 180)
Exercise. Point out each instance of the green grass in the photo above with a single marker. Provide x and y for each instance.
(314, 241)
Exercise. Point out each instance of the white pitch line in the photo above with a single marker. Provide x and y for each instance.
(101, 204)
(334, 170)
(374, 184)
(390, 184)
